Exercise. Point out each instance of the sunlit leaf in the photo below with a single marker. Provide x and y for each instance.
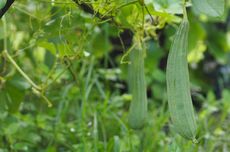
(212, 8)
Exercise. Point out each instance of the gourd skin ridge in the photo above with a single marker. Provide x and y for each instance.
(178, 86)
(137, 87)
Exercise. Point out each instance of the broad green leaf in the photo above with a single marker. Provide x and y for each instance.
(12, 94)
(21, 146)
(197, 47)
(64, 50)
(217, 44)
(164, 15)
(211, 8)
(3, 99)
(154, 53)
(174, 147)
(2, 3)
(197, 53)
(18, 38)
(129, 16)
(169, 6)
(100, 44)
(47, 45)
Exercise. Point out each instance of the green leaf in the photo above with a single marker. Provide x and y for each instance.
(197, 46)
(169, 6)
(2, 3)
(12, 94)
(129, 16)
(47, 45)
(21, 146)
(100, 44)
(211, 8)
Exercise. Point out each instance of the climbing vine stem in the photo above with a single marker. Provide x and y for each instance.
(36, 89)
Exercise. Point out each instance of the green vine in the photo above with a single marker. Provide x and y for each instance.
(36, 89)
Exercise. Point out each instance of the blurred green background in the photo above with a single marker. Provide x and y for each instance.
(74, 51)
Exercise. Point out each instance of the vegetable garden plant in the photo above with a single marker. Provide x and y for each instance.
(124, 75)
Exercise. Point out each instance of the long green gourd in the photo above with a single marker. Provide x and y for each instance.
(138, 108)
(178, 85)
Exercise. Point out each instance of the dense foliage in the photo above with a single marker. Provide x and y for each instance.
(76, 53)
